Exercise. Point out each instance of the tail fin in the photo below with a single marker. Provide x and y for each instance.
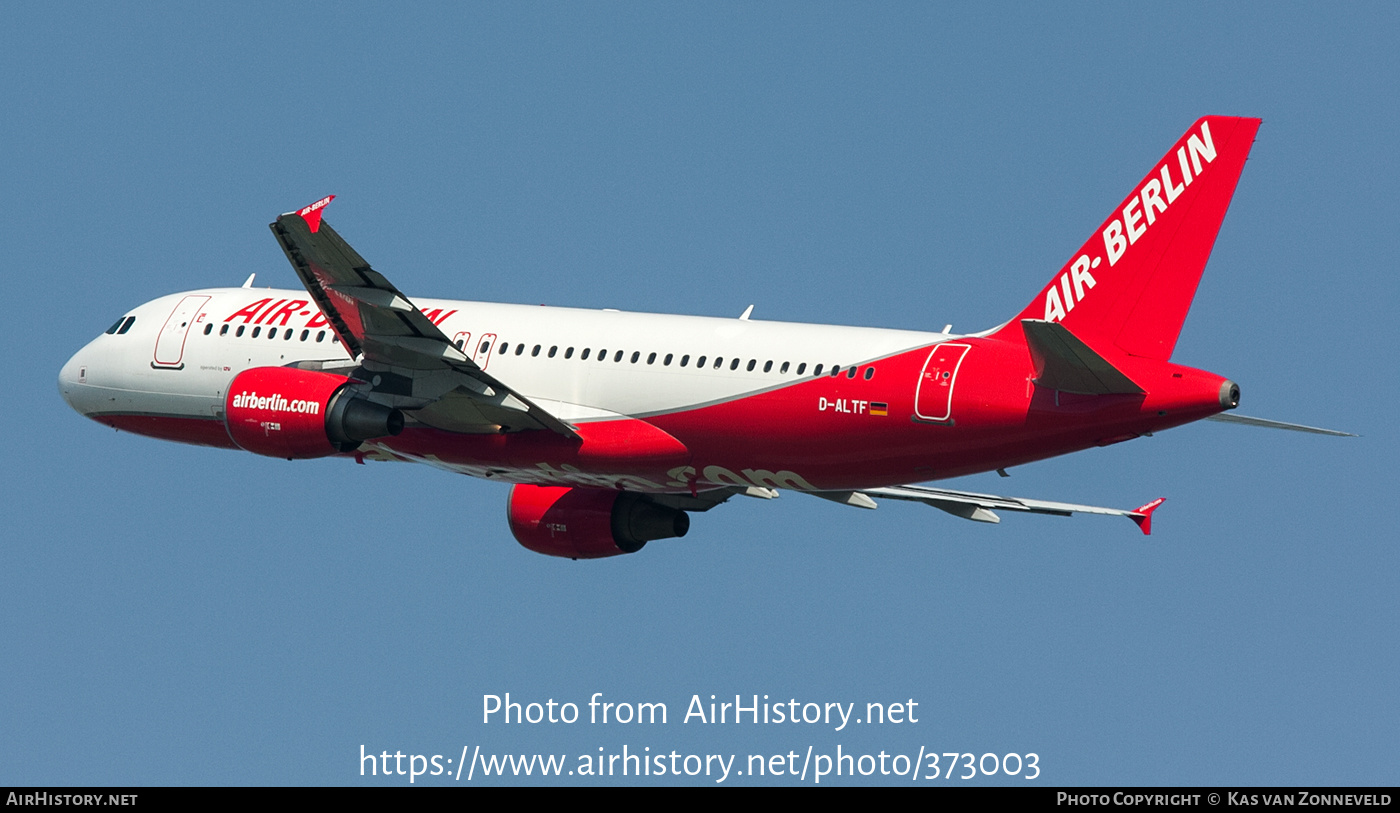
(1132, 283)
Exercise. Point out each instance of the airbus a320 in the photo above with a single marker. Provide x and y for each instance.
(614, 427)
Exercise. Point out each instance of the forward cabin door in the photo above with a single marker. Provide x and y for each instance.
(170, 342)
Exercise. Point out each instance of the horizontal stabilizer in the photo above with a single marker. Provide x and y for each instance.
(1063, 362)
(1226, 417)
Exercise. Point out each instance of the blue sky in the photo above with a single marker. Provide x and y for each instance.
(182, 615)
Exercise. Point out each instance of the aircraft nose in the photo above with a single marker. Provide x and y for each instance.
(72, 382)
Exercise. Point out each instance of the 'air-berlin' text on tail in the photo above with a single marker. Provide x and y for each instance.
(1129, 287)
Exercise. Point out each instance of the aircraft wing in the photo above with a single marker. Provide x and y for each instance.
(385, 331)
(982, 507)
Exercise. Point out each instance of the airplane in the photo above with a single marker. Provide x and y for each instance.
(614, 427)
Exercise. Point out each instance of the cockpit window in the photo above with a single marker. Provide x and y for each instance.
(122, 325)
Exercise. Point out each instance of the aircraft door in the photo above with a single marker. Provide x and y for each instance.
(933, 398)
(483, 350)
(170, 342)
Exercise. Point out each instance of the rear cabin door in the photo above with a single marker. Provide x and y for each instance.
(933, 399)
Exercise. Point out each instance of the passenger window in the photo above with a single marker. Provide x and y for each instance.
(636, 354)
(734, 365)
(485, 346)
(802, 368)
(554, 348)
(503, 349)
(272, 333)
(617, 357)
(240, 330)
(535, 352)
(767, 366)
(817, 370)
(305, 334)
(603, 354)
(208, 329)
(257, 331)
(519, 348)
(686, 360)
(719, 362)
(869, 373)
(835, 370)
(783, 369)
(568, 354)
(223, 331)
(288, 335)
(752, 362)
(700, 362)
(651, 359)
(335, 340)
(851, 373)
(666, 362)
(584, 356)
(320, 334)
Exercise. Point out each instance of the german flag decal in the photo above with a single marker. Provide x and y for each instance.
(879, 408)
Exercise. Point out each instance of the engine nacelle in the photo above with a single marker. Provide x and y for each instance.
(291, 413)
(589, 523)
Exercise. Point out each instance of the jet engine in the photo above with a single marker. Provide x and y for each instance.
(589, 523)
(291, 413)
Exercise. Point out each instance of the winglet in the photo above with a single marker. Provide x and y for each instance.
(1143, 515)
(312, 213)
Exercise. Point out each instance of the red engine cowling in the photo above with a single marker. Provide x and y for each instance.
(291, 413)
(589, 523)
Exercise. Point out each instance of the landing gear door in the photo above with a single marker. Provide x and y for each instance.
(483, 350)
(933, 398)
(170, 342)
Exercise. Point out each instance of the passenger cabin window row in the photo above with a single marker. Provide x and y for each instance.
(504, 348)
(701, 362)
(272, 333)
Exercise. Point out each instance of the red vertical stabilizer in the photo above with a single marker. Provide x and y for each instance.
(1129, 287)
